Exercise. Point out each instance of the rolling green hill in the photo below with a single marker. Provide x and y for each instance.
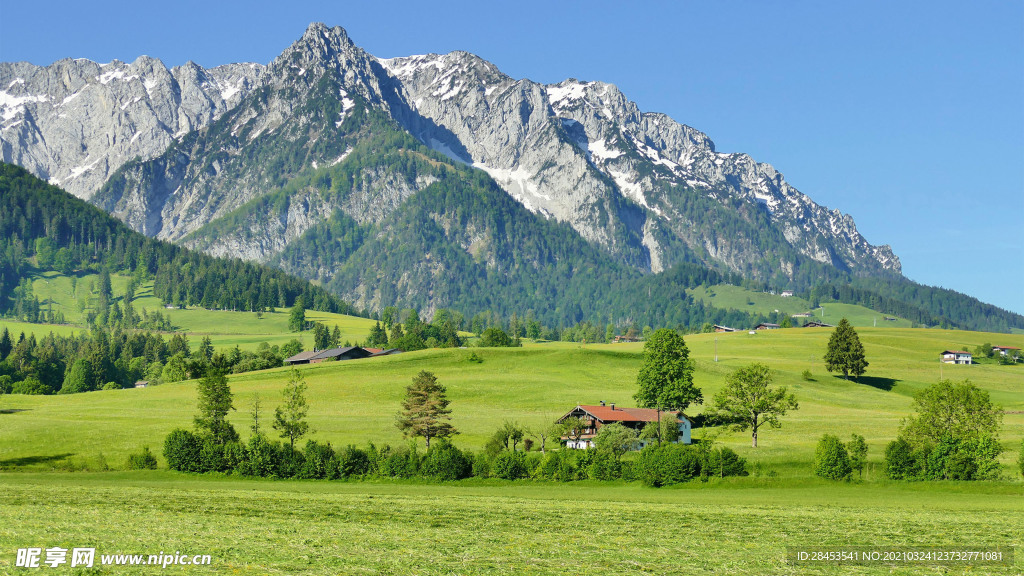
(355, 401)
(731, 297)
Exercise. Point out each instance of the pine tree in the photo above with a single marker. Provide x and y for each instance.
(845, 353)
(297, 319)
(425, 409)
(5, 344)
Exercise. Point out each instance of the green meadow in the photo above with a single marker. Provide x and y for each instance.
(63, 480)
(742, 526)
(727, 296)
(225, 328)
(356, 401)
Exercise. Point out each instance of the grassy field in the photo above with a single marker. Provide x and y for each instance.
(355, 401)
(225, 328)
(727, 296)
(742, 526)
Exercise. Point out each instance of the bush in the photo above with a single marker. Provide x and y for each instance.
(899, 460)
(353, 462)
(144, 460)
(604, 466)
(261, 457)
(474, 358)
(481, 465)
(667, 464)
(446, 462)
(509, 465)
(211, 457)
(831, 459)
(725, 462)
(806, 375)
(30, 386)
(182, 450)
(111, 386)
(318, 461)
(400, 463)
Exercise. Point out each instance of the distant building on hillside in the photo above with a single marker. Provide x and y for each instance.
(1004, 350)
(786, 293)
(816, 324)
(956, 357)
(635, 418)
(803, 315)
(301, 357)
(317, 356)
(723, 329)
(142, 384)
(766, 326)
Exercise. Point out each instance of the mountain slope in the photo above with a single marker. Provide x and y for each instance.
(367, 175)
(43, 227)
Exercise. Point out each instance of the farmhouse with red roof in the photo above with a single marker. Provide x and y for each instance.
(635, 418)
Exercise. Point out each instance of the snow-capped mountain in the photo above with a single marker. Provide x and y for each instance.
(250, 159)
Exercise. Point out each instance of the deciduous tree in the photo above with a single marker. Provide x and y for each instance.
(616, 439)
(958, 409)
(665, 381)
(215, 401)
(290, 419)
(748, 401)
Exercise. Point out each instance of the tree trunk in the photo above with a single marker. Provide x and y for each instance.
(428, 442)
(754, 438)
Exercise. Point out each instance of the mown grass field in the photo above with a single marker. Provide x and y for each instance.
(741, 526)
(356, 401)
(727, 296)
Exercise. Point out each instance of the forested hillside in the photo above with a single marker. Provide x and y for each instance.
(43, 227)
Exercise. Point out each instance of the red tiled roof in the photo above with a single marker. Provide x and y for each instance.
(619, 414)
(374, 350)
(1004, 348)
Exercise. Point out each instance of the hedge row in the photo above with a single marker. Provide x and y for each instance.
(654, 466)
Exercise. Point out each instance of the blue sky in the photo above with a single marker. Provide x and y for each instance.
(909, 116)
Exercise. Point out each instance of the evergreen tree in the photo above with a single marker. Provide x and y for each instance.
(378, 338)
(321, 337)
(845, 353)
(336, 337)
(5, 344)
(297, 319)
(215, 401)
(206, 349)
(425, 409)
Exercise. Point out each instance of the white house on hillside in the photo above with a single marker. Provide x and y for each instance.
(956, 357)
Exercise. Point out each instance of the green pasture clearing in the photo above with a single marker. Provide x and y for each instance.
(741, 526)
(356, 401)
(40, 330)
(225, 328)
(726, 296)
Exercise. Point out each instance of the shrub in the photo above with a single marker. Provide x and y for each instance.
(899, 460)
(831, 459)
(961, 466)
(481, 465)
(211, 457)
(604, 466)
(234, 456)
(509, 465)
(725, 462)
(261, 457)
(400, 463)
(111, 386)
(318, 459)
(806, 375)
(30, 386)
(144, 460)
(446, 462)
(353, 462)
(474, 358)
(182, 451)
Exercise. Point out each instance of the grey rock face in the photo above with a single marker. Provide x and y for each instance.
(564, 148)
(75, 122)
(577, 152)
